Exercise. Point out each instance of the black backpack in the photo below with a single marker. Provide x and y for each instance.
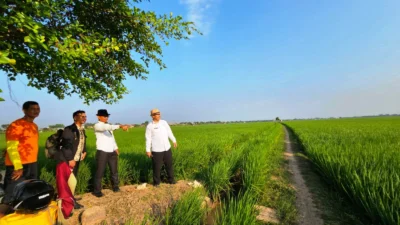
(53, 144)
(32, 195)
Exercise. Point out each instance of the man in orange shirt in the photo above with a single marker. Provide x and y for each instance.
(22, 138)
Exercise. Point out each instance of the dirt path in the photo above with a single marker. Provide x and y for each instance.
(131, 204)
(308, 213)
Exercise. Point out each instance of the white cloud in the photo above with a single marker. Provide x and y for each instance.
(200, 12)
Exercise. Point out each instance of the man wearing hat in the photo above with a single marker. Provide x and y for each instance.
(158, 147)
(107, 151)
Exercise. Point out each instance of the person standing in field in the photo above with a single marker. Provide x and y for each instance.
(158, 147)
(22, 137)
(107, 152)
(72, 152)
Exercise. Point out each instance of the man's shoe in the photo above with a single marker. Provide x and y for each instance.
(172, 182)
(99, 194)
(116, 189)
(78, 206)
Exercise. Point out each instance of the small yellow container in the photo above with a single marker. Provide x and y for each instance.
(47, 216)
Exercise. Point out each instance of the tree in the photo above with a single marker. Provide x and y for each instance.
(57, 126)
(89, 124)
(277, 119)
(83, 47)
(4, 126)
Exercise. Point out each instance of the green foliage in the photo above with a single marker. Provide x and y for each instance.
(260, 158)
(55, 126)
(217, 178)
(1, 99)
(279, 192)
(188, 210)
(124, 172)
(361, 158)
(238, 210)
(83, 47)
(83, 178)
(47, 176)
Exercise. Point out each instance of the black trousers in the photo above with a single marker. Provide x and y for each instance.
(160, 158)
(29, 172)
(102, 159)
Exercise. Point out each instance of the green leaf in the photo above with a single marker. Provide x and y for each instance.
(94, 59)
(27, 39)
(12, 61)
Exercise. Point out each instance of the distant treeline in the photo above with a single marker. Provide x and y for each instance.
(346, 117)
(90, 125)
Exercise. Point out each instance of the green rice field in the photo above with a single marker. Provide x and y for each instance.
(361, 158)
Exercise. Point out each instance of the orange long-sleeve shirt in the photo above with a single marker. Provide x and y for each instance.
(22, 143)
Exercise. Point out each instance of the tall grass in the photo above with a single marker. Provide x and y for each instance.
(261, 154)
(260, 158)
(83, 178)
(238, 210)
(217, 178)
(360, 157)
(188, 210)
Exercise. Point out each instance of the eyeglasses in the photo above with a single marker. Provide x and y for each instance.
(155, 114)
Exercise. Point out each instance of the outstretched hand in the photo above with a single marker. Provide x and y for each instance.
(124, 127)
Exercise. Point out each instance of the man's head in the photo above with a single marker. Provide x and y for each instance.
(102, 115)
(31, 109)
(79, 117)
(155, 114)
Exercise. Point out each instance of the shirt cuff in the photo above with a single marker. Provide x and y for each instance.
(13, 154)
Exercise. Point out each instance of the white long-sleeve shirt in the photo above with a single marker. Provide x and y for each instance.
(157, 135)
(105, 140)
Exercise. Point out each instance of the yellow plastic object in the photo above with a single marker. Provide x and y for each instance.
(47, 216)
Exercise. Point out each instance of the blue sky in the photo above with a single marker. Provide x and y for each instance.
(256, 60)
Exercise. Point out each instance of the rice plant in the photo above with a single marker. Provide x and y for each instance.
(238, 210)
(83, 178)
(360, 157)
(188, 210)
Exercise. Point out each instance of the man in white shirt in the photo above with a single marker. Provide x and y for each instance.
(107, 152)
(158, 147)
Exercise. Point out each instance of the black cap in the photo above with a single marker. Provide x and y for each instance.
(102, 112)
